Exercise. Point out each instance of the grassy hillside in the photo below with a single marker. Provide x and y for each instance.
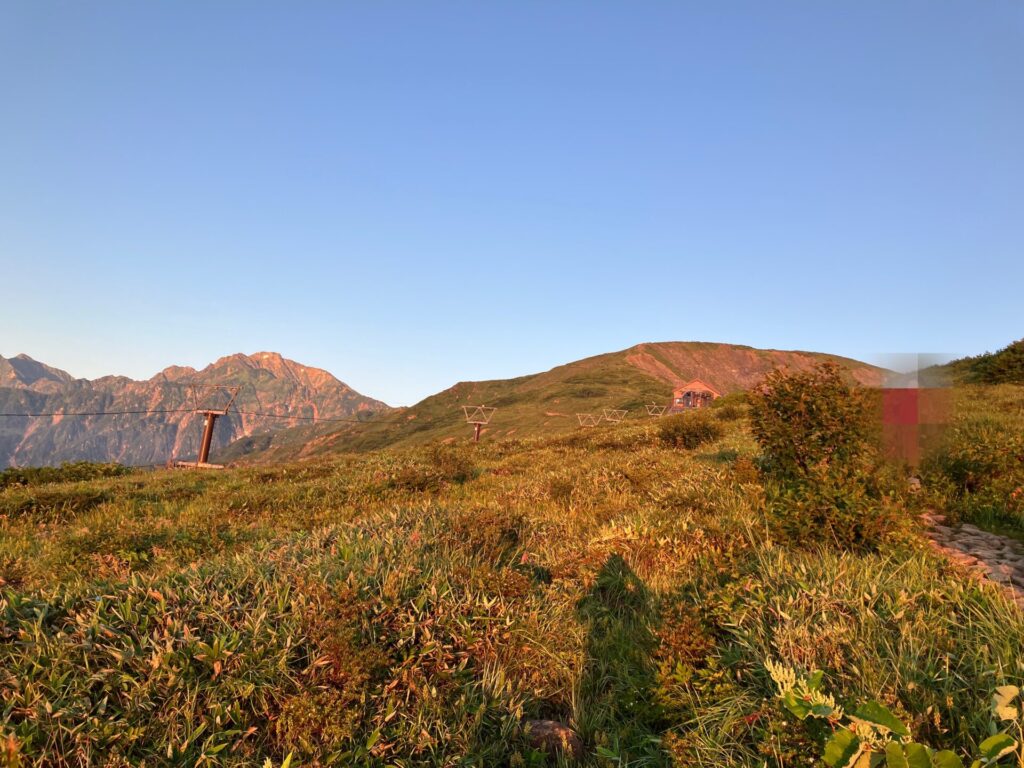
(547, 403)
(1003, 367)
(412, 607)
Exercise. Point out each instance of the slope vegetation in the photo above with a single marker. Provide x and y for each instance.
(417, 607)
(1003, 367)
(549, 402)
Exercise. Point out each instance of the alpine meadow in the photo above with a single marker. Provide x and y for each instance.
(682, 590)
(533, 384)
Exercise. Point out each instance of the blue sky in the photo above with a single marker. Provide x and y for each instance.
(411, 194)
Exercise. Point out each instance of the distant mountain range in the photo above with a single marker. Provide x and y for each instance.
(269, 387)
(548, 402)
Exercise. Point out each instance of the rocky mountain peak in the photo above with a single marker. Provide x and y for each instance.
(161, 425)
(22, 371)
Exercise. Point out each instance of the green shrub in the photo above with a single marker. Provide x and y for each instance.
(846, 511)
(806, 421)
(817, 438)
(690, 430)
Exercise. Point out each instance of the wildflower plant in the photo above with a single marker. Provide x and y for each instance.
(872, 736)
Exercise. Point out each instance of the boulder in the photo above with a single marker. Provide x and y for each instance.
(553, 737)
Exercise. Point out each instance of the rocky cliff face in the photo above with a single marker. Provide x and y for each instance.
(270, 388)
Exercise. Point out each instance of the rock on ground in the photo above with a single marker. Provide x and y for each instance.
(553, 737)
(986, 555)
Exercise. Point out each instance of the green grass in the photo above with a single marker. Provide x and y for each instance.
(66, 472)
(410, 607)
(976, 469)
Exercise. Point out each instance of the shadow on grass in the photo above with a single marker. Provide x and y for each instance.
(615, 709)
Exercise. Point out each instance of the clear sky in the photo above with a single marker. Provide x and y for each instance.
(411, 194)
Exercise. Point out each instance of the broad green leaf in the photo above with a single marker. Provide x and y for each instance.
(814, 681)
(917, 755)
(874, 713)
(796, 705)
(842, 749)
(996, 746)
(822, 710)
(947, 759)
(894, 757)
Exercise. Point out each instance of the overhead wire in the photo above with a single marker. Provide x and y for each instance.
(148, 411)
(103, 413)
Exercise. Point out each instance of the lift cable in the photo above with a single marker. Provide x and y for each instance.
(180, 410)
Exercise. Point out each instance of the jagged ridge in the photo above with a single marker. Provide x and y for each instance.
(269, 384)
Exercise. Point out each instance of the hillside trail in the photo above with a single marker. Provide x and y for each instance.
(986, 555)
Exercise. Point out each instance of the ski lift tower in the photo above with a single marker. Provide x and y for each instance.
(479, 416)
(204, 400)
(614, 415)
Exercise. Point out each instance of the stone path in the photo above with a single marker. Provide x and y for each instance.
(998, 558)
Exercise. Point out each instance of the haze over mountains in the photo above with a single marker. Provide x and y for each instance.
(270, 386)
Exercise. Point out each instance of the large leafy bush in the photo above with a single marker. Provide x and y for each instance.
(807, 422)
(826, 482)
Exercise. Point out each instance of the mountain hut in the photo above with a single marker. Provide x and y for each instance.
(695, 394)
